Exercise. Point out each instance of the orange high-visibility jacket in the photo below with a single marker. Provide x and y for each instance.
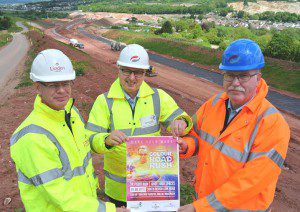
(237, 169)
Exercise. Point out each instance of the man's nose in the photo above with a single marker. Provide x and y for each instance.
(132, 76)
(236, 81)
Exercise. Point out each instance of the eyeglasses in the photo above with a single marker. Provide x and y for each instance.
(137, 74)
(57, 85)
(241, 77)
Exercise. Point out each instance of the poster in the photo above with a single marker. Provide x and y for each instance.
(152, 179)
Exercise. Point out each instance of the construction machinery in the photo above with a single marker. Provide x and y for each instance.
(151, 72)
(115, 46)
(75, 43)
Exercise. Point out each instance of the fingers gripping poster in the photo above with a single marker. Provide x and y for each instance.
(152, 180)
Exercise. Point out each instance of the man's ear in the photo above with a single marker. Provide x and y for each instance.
(37, 87)
(258, 77)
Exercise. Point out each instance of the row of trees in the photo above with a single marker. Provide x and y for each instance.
(202, 7)
(34, 15)
(270, 16)
(283, 44)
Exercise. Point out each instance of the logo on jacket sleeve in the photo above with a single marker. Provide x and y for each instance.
(135, 58)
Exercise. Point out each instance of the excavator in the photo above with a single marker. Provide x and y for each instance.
(151, 72)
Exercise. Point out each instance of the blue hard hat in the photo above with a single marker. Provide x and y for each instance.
(242, 55)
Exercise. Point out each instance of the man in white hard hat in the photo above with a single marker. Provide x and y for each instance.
(50, 148)
(130, 108)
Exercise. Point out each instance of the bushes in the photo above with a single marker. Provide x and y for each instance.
(277, 16)
(166, 28)
(5, 23)
(285, 45)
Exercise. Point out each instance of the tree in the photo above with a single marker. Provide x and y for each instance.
(5, 23)
(241, 14)
(167, 27)
(283, 46)
(246, 3)
(208, 25)
(181, 25)
(133, 19)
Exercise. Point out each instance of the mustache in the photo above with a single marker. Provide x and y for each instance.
(239, 88)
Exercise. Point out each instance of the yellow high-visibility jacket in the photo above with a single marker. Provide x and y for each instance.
(54, 165)
(111, 111)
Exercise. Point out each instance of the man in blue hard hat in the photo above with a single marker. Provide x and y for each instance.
(239, 137)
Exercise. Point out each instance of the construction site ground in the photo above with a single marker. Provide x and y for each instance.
(188, 91)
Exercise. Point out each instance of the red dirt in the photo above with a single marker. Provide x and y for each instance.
(188, 91)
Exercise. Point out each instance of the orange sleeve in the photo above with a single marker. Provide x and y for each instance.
(261, 170)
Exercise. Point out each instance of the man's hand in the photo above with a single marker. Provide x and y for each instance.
(187, 208)
(178, 127)
(183, 147)
(115, 138)
(122, 209)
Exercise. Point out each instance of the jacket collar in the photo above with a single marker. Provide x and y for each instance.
(58, 115)
(252, 105)
(116, 90)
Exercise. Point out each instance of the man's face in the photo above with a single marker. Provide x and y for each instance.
(54, 94)
(241, 86)
(143, 153)
(131, 79)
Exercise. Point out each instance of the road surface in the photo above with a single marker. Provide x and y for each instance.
(12, 54)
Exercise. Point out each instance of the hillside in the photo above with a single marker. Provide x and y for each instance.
(19, 1)
(263, 6)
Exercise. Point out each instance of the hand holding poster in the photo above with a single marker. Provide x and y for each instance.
(152, 179)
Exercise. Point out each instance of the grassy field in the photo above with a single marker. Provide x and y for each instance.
(280, 74)
(5, 37)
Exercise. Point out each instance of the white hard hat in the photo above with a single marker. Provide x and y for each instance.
(134, 56)
(51, 65)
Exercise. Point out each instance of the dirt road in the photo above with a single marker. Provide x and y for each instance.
(11, 56)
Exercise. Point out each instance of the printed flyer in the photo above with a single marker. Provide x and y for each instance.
(152, 180)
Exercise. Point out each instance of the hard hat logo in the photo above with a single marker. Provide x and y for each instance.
(57, 68)
(234, 59)
(134, 58)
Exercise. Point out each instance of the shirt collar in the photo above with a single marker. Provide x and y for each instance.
(128, 98)
(230, 107)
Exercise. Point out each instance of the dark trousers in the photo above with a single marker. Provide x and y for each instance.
(117, 202)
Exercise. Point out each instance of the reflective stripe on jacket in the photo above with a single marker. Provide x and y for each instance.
(54, 165)
(237, 169)
(111, 112)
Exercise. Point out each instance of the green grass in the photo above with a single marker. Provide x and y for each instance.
(80, 67)
(26, 81)
(4, 38)
(164, 46)
(277, 77)
(186, 194)
(14, 27)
